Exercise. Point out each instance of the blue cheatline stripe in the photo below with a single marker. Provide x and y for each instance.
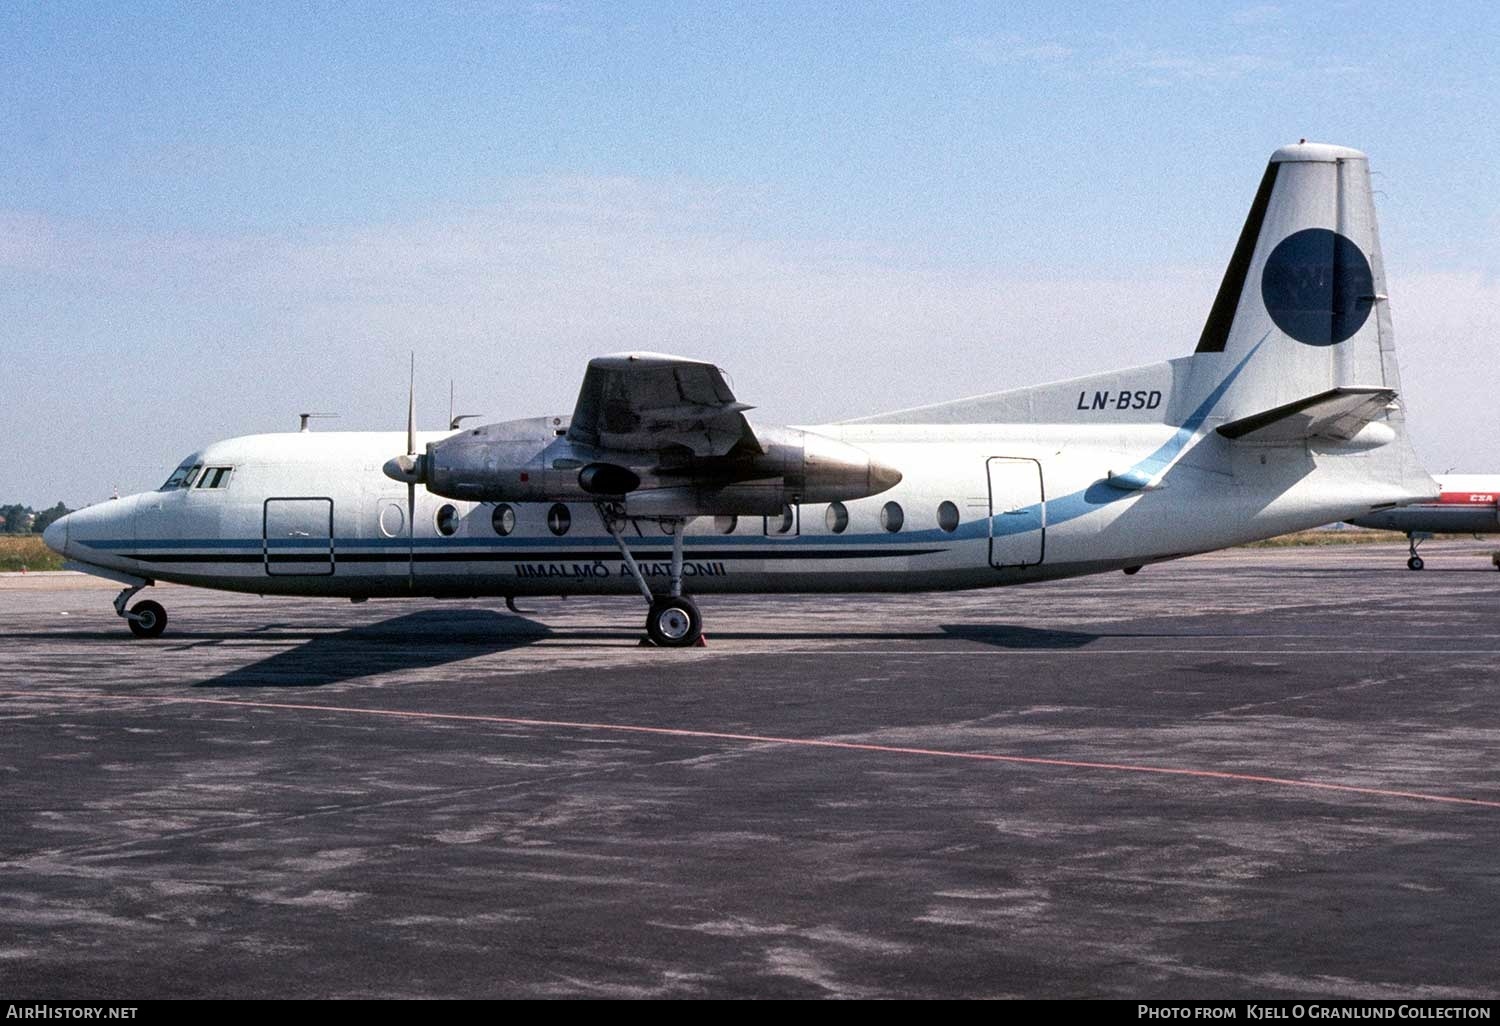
(1059, 510)
(973, 529)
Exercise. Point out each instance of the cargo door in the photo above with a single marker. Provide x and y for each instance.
(298, 537)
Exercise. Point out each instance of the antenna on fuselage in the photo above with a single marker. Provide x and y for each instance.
(305, 417)
(455, 421)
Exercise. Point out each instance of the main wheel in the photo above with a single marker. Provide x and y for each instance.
(674, 622)
(148, 619)
(1415, 563)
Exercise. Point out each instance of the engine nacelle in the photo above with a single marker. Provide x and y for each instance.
(816, 468)
(514, 461)
(533, 461)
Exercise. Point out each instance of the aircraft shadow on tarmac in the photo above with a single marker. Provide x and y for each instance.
(415, 641)
(1009, 636)
(1004, 636)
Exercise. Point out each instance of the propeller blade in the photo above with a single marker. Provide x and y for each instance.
(411, 409)
(411, 484)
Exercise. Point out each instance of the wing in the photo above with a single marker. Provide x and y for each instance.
(650, 402)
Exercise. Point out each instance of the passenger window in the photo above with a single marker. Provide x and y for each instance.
(892, 517)
(503, 520)
(559, 519)
(948, 517)
(837, 517)
(447, 519)
(783, 524)
(726, 525)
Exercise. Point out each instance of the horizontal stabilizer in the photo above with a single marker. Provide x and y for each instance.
(1339, 413)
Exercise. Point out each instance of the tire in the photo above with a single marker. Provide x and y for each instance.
(674, 622)
(1415, 563)
(152, 619)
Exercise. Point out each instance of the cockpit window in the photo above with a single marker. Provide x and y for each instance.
(214, 477)
(184, 475)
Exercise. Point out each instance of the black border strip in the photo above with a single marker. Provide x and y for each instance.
(1221, 315)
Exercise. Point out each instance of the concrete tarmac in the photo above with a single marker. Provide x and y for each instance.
(1268, 772)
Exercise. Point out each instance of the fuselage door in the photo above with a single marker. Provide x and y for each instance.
(1018, 512)
(298, 538)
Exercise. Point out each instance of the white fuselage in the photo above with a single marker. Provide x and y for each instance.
(312, 513)
(1285, 416)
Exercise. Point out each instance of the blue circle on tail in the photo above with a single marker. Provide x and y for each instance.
(1317, 287)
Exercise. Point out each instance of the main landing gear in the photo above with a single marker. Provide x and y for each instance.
(1413, 539)
(673, 620)
(145, 619)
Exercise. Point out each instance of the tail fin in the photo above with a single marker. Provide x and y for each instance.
(1301, 312)
(1304, 293)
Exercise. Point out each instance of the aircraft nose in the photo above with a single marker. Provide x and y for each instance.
(93, 530)
(55, 537)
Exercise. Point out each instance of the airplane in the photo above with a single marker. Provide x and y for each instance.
(1466, 504)
(1285, 417)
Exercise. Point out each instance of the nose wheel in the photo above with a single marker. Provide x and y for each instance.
(147, 619)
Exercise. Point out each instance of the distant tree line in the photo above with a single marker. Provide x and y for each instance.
(18, 519)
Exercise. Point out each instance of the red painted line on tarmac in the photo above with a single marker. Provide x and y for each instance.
(852, 746)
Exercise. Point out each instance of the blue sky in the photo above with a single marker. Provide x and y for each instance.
(214, 216)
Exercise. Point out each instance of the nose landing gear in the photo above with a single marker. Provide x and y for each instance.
(145, 619)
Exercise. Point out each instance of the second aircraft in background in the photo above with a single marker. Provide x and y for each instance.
(1469, 504)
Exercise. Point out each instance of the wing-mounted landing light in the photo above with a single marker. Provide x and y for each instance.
(608, 479)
